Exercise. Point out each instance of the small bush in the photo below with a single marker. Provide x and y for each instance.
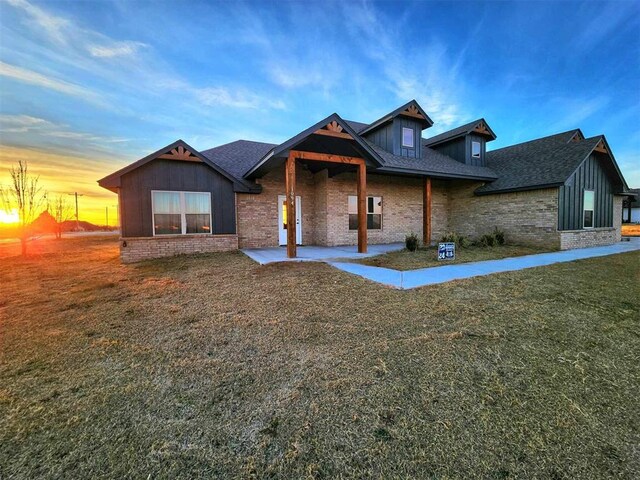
(411, 242)
(487, 240)
(492, 239)
(460, 240)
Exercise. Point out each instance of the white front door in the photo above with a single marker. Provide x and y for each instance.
(282, 220)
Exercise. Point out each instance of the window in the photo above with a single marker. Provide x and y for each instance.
(374, 213)
(588, 208)
(475, 149)
(180, 213)
(407, 137)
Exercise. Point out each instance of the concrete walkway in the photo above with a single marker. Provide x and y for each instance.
(317, 254)
(429, 276)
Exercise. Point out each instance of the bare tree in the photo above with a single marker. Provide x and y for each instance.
(61, 212)
(26, 196)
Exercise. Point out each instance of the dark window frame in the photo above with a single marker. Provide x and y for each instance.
(374, 219)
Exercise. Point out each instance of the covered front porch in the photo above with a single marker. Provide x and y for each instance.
(314, 253)
(326, 200)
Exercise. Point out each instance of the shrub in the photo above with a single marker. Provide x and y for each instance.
(411, 242)
(452, 237)
(499, 235)
(487, 240)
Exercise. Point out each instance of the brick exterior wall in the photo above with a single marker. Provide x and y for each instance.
(324, 202)
(257, 214)
(594, 237)
(145, 248)
(529, 217)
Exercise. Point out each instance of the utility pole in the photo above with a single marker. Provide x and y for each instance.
(106, 211)
(117, 215)
(76, 194)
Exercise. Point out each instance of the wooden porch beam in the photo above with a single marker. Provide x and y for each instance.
(426, 212)
(325, 157)
(290, 187)
(362, 208)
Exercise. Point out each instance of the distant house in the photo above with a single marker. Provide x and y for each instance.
(343, 182)
(631, 207)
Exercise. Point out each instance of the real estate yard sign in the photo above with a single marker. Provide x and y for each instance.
(446, 251)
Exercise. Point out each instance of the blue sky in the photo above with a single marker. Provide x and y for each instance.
(87, 87)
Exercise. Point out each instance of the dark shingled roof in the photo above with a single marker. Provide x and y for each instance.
(432, 163)
(540, 163)
(456, 132)
(238, 157)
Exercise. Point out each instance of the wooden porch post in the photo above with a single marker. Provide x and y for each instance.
(362, 208)
(426, 212)
(290, 187)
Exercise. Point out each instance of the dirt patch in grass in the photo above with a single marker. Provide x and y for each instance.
(428, 257)
(214, 367)
(631, 230)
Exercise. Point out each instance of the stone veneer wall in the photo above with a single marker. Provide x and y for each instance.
(529, 217)
(145, 248)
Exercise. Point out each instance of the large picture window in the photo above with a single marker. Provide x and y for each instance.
(374, 213)
(181, 213)
(588, 208)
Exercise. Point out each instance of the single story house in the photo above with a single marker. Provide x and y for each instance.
(631, 207)
(342, 182)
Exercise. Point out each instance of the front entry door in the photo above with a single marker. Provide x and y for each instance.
(282, 220)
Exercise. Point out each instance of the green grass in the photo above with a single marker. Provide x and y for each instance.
(428, 257)
(215, 367)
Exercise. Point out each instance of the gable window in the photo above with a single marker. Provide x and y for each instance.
(475, 149)
(374, 213)
(407, 137)
(181, 213)
(588, 209)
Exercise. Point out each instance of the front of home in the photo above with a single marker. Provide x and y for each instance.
(342, 182)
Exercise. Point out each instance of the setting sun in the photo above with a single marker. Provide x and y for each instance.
(9, 217)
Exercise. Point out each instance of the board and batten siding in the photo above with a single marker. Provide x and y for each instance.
(172, 175)
(460, 149)
(589, 176)
(389, 137)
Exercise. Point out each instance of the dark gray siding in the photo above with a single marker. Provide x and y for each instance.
(470, 160)
(455, 149)
(136, 187)
(589, 176)
(460, 149)
(389, 137)
(383, 137)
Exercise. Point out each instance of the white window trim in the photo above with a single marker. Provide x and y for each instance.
(593, 210)
(479, 145)
(413, 140)
(368, 212)
(183, 215)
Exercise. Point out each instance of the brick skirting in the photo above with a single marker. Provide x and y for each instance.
(136, 249)
(595, 237)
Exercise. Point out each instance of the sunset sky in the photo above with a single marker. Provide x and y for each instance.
(88, 87)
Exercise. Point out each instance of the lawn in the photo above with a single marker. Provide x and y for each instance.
(428, 257)
(214, 367)
(631, 230)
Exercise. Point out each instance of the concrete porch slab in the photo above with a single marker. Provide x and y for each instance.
(313, 253)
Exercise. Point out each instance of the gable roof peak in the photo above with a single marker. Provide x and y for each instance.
(411, 109)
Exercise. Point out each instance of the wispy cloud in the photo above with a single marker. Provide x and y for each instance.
(34, 78)
(53, 26)
(577, 110)
(238, 98)
(116, 49)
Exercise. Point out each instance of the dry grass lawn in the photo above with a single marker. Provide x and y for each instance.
(428, 257)
(631, 230)
(215, 367)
